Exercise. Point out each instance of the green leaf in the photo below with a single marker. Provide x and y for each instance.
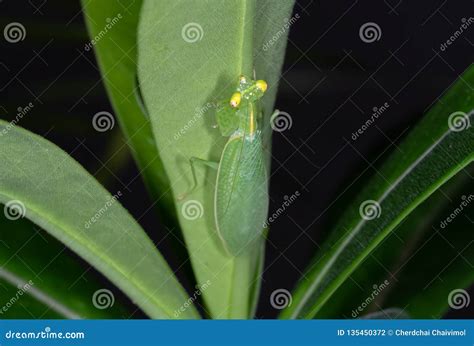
(444, 254)
(60, 286)
(57, 194)
(430, 155)
(417, 245)
(190, 56)
(113, 28)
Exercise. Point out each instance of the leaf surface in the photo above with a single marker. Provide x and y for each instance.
(51, 189)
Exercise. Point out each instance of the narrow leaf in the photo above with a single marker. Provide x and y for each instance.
(43, 183)
(438, 148)
(445, 256)
(422, 243)
(41, 279)
(113, 31)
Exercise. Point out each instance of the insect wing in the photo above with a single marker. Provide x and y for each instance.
(241, 201)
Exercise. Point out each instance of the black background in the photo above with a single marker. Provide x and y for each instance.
(331, 81)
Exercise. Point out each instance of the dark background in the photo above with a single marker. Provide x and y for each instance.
(331, 81)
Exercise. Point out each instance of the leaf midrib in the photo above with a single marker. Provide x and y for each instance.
(57, 225)
(245, 31)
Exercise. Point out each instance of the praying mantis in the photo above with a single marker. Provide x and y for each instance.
(241, 190)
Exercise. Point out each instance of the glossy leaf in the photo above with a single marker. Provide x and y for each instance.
(408, 251)
(60, 286)
(438, 148)
(445, 256)
(187, 62)
(45, 184)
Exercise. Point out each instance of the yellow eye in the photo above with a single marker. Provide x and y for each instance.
(235, 99)
(262, 85)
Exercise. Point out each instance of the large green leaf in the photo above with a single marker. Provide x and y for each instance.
(57, 194)
(190, 55)
(430, 155)
(60, 286)
(112, 24)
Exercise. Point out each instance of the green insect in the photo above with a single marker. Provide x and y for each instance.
(241, 190)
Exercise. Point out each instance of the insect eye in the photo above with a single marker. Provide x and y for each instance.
(235, 99)
(262, 85)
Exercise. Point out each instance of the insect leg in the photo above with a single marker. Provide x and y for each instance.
(192, 161)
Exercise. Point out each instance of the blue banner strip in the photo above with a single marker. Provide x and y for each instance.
(258, 332)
